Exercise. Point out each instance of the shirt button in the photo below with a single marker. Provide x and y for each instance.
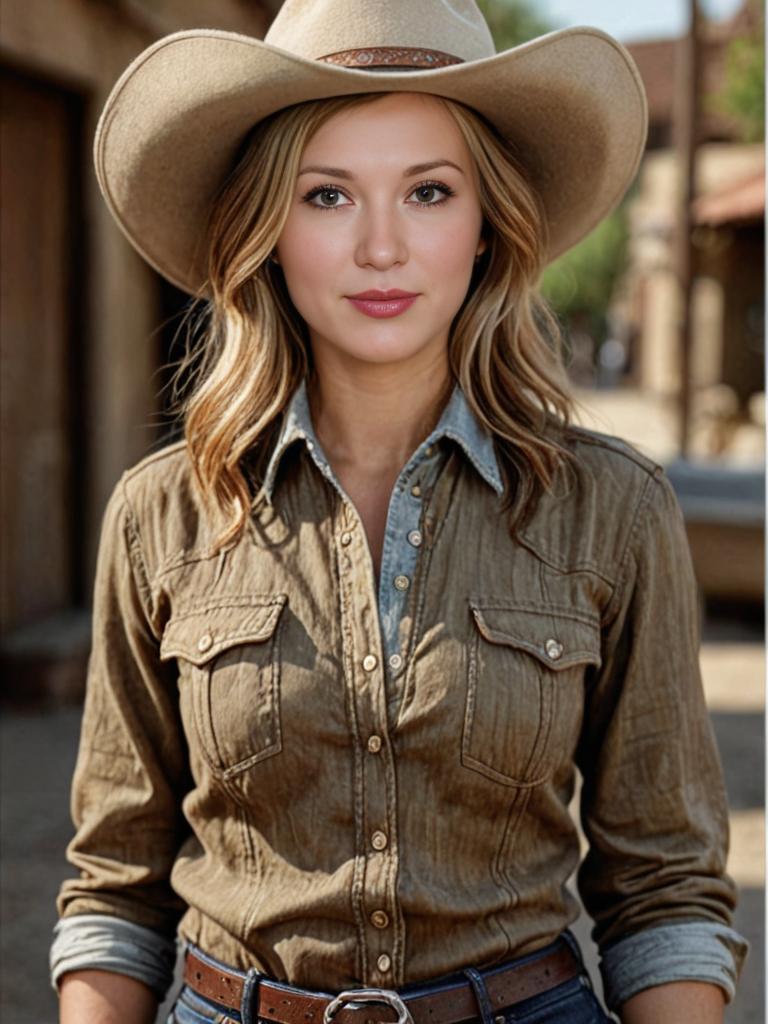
(379, 841)
(384, 963)
(416, 491)
(395, 662)
(346, 538)
(414, 537)
(553, 648)
(402, 583)
(205, 643)
(369, 662)
(428, 451)
(379, 919)
(374, 744)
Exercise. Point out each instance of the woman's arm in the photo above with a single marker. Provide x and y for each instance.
(130, 779)
(653, 801)
(101, 997)
(677, 1003)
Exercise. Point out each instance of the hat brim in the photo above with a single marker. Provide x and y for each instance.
(572, 101)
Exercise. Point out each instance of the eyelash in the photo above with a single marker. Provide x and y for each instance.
(438, 185)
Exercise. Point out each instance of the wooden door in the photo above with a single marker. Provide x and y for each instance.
(40, 333)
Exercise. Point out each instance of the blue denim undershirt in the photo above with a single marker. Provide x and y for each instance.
(702, 950)
(402, 532)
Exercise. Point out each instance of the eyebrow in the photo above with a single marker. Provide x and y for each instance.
(339, 172)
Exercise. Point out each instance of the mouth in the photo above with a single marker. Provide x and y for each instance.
(383, 304)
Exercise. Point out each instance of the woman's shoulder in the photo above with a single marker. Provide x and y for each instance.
(611, 470)
(597, 453)
(587, 517)
(161, 499)
(164, 475)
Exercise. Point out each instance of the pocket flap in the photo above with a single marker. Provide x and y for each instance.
(201, 633)
(557, 639)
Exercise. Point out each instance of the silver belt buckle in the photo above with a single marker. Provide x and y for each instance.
(368, 995)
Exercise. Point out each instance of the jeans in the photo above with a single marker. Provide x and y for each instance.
(572, 1002)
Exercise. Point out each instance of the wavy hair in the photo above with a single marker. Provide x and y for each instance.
(251, 348)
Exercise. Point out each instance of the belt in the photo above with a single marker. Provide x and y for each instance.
(452, 1003)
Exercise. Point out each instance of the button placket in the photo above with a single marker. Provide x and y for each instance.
(374, 696)
(366, 680)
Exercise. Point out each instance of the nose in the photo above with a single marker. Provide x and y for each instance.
(381, 241)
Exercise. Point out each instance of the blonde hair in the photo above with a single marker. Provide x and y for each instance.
(505, 346)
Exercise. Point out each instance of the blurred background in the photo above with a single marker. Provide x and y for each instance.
(662, 309)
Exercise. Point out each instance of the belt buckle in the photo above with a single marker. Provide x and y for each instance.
(368, 995)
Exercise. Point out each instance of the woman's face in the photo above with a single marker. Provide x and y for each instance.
(386, 199)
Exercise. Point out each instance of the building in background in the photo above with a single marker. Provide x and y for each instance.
(87, 327)
(80, 313)
(728, 351)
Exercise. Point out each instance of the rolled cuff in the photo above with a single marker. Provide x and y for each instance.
(688, 951)
(101, 942)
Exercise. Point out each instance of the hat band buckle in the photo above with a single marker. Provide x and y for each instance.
(368, 995)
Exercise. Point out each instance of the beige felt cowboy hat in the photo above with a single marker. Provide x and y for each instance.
(571, 100)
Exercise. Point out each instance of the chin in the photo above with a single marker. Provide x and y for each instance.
(383, 352)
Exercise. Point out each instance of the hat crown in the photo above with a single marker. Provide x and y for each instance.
(316, 28)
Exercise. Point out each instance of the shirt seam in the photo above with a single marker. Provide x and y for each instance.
(138, 562)
(617, 598)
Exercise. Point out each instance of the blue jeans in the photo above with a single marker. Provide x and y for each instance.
(572, 1002)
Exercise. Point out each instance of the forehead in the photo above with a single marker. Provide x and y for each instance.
(400, 122)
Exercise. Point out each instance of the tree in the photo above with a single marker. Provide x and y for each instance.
(743, 95)
(579, 285)
(512, 22)
(582, 280)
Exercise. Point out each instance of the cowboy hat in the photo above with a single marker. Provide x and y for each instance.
(572, 101)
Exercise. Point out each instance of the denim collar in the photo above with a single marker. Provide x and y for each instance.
(457, 422)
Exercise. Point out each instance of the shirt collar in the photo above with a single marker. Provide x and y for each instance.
(457, 422)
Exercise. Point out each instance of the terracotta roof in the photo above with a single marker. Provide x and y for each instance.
(742, 201)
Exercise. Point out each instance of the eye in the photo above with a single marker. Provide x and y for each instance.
(427, 190)
(324, 192)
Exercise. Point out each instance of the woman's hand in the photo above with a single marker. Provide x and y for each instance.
(103, 997)
(678, 1002)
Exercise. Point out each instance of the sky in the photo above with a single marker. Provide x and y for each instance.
(632, 20)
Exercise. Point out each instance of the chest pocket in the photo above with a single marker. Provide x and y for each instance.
(525, 689)
(229, 677)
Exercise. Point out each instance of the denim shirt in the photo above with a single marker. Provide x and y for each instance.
(692, 942)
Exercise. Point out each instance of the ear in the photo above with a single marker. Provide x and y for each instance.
(481, 247)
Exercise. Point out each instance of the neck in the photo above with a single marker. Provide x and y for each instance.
(372, 418)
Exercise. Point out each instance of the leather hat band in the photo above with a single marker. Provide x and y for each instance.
(391, 56)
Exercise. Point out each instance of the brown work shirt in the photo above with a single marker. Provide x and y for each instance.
(251, 764)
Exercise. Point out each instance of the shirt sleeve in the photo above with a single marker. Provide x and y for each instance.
(653, 803)
(95, 941)
(132, 768)
(692, 950)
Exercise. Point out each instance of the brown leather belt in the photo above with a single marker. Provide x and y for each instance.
(452, 1004)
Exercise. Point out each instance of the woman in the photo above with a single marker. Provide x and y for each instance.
(354, 635)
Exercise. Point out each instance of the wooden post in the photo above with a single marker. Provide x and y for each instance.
(688, 83)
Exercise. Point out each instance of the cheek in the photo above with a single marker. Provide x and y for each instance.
(311, 258)
(447, 267)
(450, 248)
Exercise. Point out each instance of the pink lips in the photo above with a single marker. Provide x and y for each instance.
(382, 304)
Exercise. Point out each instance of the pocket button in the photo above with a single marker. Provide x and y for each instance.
(554, 649)
(205, 643)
